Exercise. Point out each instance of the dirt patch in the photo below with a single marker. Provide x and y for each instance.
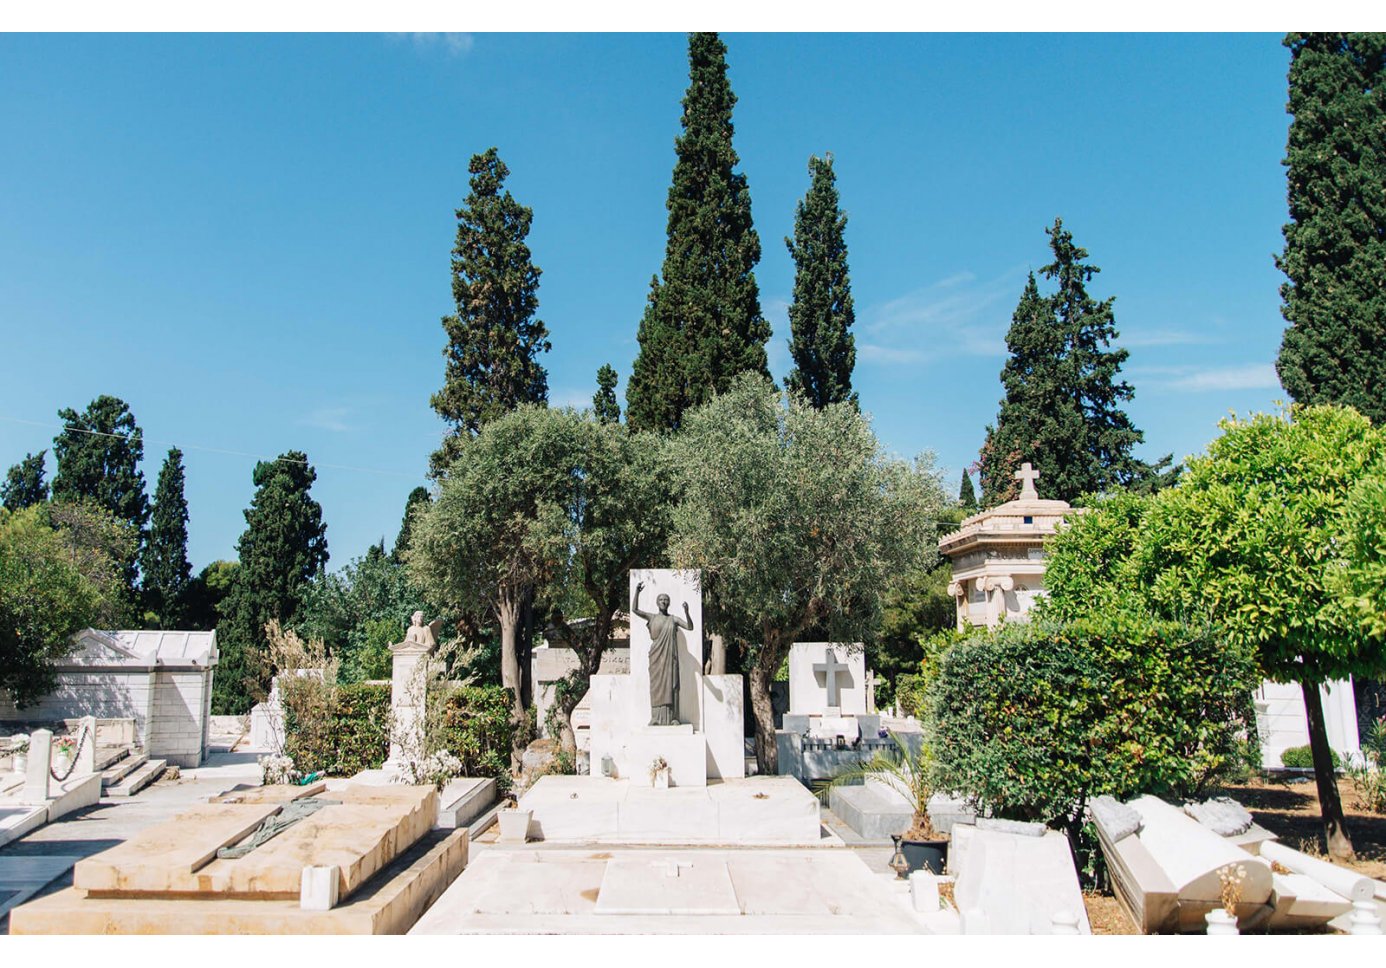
(1291, 812)
(1107, 916)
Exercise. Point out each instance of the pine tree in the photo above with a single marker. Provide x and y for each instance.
(1061, 412)
(283, 547)
(604, 405)
(493, 338)
(702, 324)
(165, 556)
(1334, 350)
(967, 497)
(24, 485)
(821, 316)
(417, 496)
(98, 454)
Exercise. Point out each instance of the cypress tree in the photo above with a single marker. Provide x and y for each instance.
(1061, 410)
(821, 316)
(417, 496)
(702, 324)
(1334, 349)
(98, 454)
(493, 338)
(165, 557)
(967, 497)
(283, 547)
(24, 485)
(604, 405)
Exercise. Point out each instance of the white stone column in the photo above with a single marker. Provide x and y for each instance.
(408, 691)
(86, 758)
(40, 761)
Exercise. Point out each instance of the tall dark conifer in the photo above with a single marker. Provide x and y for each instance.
(1334, 350)
(98, 454)
(165, 557)
(417, 496)
(494, 341)
(24, 485)
(604, 405)
(702, 324)
(967, 497)
(821, 316)
(284, 545)
(1061, 411)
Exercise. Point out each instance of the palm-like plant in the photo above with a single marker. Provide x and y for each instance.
(905, 771)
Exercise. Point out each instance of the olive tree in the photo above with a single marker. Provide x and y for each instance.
(543, 503)
(799, 521)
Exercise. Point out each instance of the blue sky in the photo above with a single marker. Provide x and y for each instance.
(247, 237)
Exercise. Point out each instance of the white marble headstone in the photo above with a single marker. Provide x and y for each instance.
(820, 672)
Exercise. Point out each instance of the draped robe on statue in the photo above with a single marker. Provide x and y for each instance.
(664, 668)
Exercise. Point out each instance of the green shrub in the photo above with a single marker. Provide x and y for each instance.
(1036, 718)
(909, 691)
(357, 737)
(1302, 758)
(476, 728)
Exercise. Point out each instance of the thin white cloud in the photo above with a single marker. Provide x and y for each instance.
(454, 45)
(955, 316)
(1196, 379)
(328, 418)
(569, 397)
(1165, 337)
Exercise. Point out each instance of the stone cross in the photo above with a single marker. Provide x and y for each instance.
(1027, 476)
(831, 669)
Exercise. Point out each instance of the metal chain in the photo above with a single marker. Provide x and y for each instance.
(72, 764)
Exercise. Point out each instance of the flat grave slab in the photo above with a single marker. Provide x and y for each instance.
(631, 891)
(389, 904)
(22, 876)
(678, 884)
(763, 811)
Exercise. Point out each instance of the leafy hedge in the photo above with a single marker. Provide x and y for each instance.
(910, 691)
(357, 737)
(475, 727)
(1036, 718)
(1302, 758)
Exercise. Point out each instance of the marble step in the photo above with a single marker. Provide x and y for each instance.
(138, 780)
(112, 775)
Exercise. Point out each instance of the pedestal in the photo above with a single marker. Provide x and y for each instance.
(408, 692)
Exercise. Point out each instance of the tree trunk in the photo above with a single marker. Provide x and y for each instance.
(767, 757)
(509, 615)
(524, 648)
(1331, 805)
(563, 714)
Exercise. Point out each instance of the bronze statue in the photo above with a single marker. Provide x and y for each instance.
(664, 656)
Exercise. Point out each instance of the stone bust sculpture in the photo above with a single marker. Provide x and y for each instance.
(664, 656)
(421, 635)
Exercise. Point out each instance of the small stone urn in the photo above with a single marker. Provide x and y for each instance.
(1220, 922)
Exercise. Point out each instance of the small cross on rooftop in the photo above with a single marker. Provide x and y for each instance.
(1027, 476)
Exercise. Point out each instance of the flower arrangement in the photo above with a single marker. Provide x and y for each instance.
(277, 769)
(19, 743)
(1231, 876)
(66, 746)
(438, 768)
(657, 766)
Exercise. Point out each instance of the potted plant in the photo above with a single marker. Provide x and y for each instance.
(1223, 920)
(908, 772)
(659, 773)
(66, 747)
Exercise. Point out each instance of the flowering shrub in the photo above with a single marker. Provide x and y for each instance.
(438, 768)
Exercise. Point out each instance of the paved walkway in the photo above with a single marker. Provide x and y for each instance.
(116, 819)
